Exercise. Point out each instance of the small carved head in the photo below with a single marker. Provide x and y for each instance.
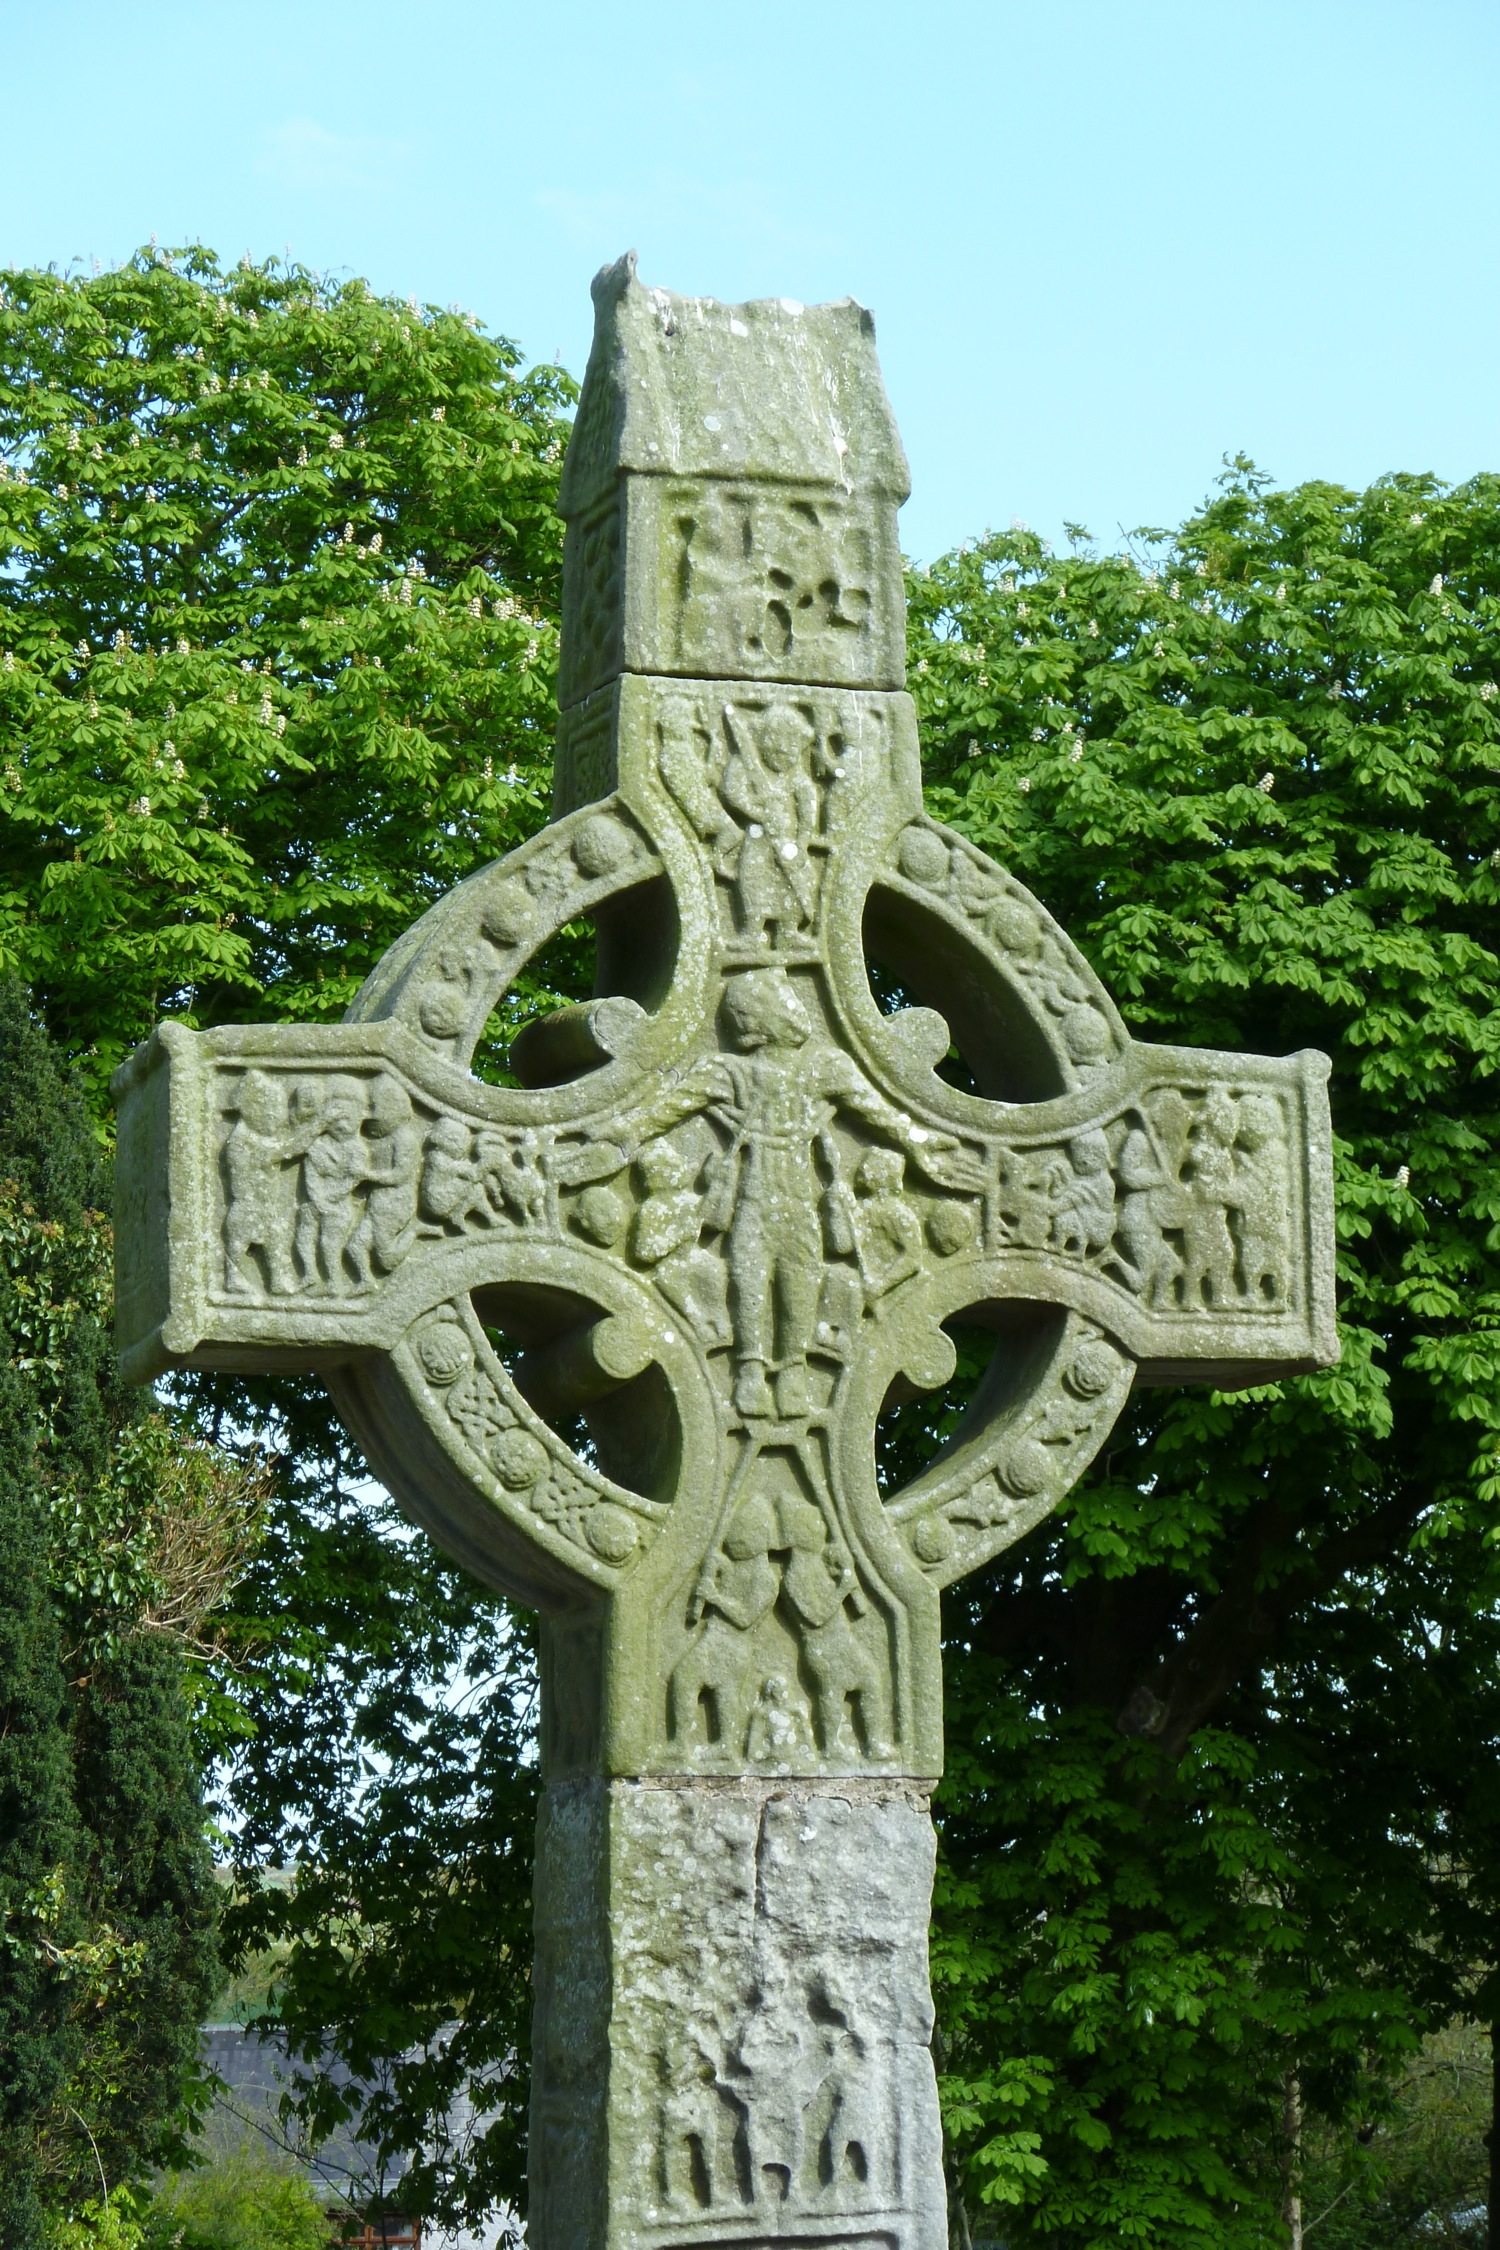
(261, 1102)
(343, 1107)
(802, 1525)
(1089, 1154)
(1216, 1125)
(784, 738)
(664, 1169)
(600, 1214)
(752, 1533)
(1259, 1123)
(881, 1172)
(762, 1010)
(951, 1227)
(390, 1104)
(449, 1137)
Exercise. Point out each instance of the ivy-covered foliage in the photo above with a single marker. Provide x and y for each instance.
(107, 1957)
(1220, 1819)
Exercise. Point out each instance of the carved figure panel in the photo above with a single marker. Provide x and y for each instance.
(754, 779)
(1185, 1198)
(330, 1179)
(787, 1654)
(776, 2075)
(757, 581)
(733, 581)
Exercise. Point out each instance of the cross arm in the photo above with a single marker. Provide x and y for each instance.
(1171, 1223)
(221, 1137)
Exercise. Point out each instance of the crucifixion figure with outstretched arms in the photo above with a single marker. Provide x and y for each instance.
(618, 1334)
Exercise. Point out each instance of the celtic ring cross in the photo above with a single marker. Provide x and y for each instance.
(619, 1334)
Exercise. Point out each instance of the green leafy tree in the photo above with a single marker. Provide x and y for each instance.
(38, 1830)
(1414, 2169)
(1212, 1842)
(238, 2202)
(278, 570)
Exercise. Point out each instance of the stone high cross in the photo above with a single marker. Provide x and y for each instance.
(728, 1213)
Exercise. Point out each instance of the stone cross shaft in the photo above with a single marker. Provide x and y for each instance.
(619, 1333)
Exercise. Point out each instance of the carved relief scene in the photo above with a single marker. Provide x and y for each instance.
(776, 1199)
(774, 2038)
(733, 580)
(791, 2111)
(785, 1662)
(321, 1176)
(330, 1179)
(756, 778)
(1185, 1199)
(767, 582)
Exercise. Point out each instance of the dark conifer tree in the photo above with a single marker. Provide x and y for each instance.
(108, 1963)
(39, 1836)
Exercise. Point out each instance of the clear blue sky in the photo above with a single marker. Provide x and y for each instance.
(1105, 242)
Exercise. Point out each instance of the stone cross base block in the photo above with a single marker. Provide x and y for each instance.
(732, 2016)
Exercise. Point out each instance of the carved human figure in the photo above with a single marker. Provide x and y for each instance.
(517, 1173)
(777, 1094)
(1141, 1250)
(739, 1587)
(723, 574)
(691, 759)
(260, 1211)
(665, 1235)
(778, 1731)
(769, 789)
(393, 1157)
(333, 1171)
(452, 1189)
(1032, 1183)
(856, 2141)
(887, 1229)
(769, 2054)
(819, 1588)
(1261, 1191)
(688, 2122)
(1083, 1218)
(1207, 1245)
